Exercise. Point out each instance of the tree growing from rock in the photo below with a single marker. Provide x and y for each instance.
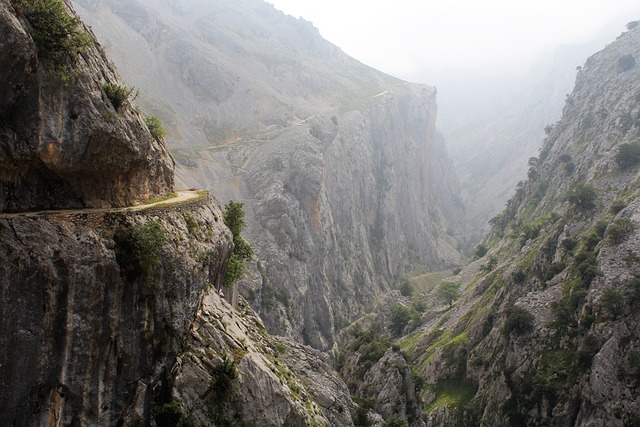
(233, 215)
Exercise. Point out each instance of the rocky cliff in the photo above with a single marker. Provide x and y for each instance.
(111, 316)
(95, 305)
(543, 331)
(62, 141)
(345, 183)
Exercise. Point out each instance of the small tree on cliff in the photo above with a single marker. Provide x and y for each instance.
(448, 292)
(234, 219)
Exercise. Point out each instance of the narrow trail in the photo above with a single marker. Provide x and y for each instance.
(182, 196)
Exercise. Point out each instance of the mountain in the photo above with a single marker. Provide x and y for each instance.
(111, 315)
(321, 149)
(491, 143)
(544, 328)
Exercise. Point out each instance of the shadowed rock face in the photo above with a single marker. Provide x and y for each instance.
(62, 144)
(85, 331)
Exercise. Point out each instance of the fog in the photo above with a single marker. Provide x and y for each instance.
(477, 54)
(405, 38)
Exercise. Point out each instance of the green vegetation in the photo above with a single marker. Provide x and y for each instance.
(405, 288)
(371, 348)
(448, 292)
(628, 155)
(480, 251)
(118, 95)
(395, 422)
(171, 415)
(360, 417)
(155, 127)
(401, 316)
(518, 320)
(233, 215)
(626, 62)
(223, 378)
(59, 36)
(613, 302)
(619, 230)
(454, 393)
(617, 206)
(582, 197)
(139, 246)
(488, 266)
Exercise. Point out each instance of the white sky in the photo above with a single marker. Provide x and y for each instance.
(402, 37)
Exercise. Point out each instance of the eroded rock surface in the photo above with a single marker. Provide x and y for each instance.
(62, 143)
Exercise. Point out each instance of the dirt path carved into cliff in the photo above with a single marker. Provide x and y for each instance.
(182, 196)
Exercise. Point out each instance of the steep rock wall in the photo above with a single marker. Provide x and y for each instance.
(87, 329)
(62, 143)
(340, 209)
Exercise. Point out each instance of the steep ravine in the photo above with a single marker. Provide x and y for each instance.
(544, 329)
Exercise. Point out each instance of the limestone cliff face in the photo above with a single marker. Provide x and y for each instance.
(275, 382)
(544, 332)
(87, 327)
(62, 143)
(338, 210)
(344, 181)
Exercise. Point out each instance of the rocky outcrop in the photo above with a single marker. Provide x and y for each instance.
(62, 142)
(272, 381)
(95, 307)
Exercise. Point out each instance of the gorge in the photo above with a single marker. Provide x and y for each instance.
(360, 306)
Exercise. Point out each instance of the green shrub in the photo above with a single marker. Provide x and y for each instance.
(360, 417)
(518, 320)
(582, 197)
(626, 62)
(488, 266)
(569, 167)
(223, 378)
(405, 288)
(396, 422)
(613, 302)
(138, 247)
(617, 206)
(155, 127)
(480, 251)
(619, 229)
(628, 155)
(117, 94)
(171, 415)
(59, 35)
(400, 317)
(565, 158)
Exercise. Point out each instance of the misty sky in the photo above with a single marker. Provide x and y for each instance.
(403, 37)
